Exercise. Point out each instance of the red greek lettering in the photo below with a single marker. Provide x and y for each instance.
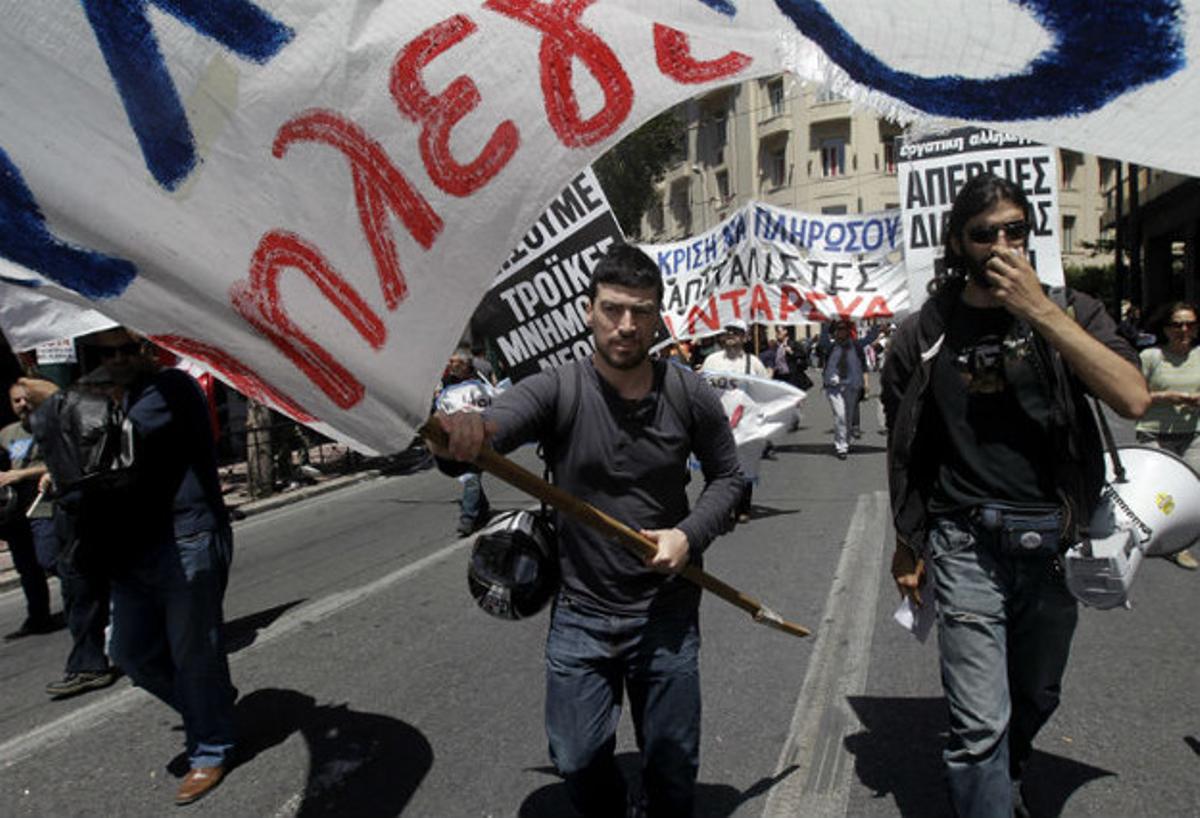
(878, 308)
(759, 306)
(846, 310)
(673, 51)
(239, 376)
(734, 297)
(790, 300)
(439, 114)
(378, 187)
(257, 300)
(566, 40)
(707, 314)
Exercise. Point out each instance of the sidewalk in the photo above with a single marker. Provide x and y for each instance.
(241, 505)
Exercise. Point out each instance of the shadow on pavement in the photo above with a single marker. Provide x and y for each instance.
(712, 800)
(240, 633)
(899, 754)
(759, 512)
(359, 763)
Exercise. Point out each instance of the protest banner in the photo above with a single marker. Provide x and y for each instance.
(934, 168)
(765, 264)
(534, 312)
(311, 196)
(759, 411)
(30, 319)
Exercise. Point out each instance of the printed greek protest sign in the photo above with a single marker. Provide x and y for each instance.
(534, 314)
(311, 196)
(934, 169)
(768, 265)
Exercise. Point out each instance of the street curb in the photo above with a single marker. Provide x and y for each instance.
(287, 498)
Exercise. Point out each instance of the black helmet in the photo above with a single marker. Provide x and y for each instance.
(513, 571)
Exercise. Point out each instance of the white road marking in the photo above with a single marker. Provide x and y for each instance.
(113, 704)
(820, 787)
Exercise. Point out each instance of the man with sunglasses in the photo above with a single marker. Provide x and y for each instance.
(169, 563)
(995, 461)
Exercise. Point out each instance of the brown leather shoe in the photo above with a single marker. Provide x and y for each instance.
(198, 783)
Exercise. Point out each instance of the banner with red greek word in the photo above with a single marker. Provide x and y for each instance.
(934, 168)
(311, 196)
(534, 313)
(759, 410)
(767, 265)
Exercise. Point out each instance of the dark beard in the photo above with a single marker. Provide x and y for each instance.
(976, 273)
(632, 363)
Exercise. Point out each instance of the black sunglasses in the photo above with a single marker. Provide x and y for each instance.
(986, 235)
(1180, 324)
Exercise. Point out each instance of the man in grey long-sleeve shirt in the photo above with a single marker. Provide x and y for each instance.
(619, 624)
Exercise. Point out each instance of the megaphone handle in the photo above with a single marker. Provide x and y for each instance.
(1109, 443)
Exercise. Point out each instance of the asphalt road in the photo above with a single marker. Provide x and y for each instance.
(371, 685)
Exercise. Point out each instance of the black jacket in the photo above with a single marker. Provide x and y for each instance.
(1079, 473)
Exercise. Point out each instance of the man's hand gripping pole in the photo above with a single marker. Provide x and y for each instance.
(530, 483)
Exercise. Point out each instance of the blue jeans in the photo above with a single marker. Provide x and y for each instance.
(1004, 634)
(474, 504)
(167, 635)
(591, 658)
(85, 600)
(33, 577)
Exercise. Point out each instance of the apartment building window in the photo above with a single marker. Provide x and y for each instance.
(1068, 234)
(833, 157)
(775, 165)
(681, 206)
(775, 96)
(889, 157)
(1070, 164)
(827, 94)
(833, 210)
(723, 191)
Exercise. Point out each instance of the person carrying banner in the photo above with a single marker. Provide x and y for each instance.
(85, 599)
(474, 508)
(167, 547)
(845, 381)
(732, 358)
(995, 463)
(618, 429)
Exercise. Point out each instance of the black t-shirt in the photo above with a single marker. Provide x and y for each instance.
(993, 409)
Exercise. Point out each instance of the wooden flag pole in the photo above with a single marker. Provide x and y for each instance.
(508, 471)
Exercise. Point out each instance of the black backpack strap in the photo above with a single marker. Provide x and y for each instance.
(675, 391)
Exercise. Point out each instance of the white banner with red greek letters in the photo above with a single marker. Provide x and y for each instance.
(310, 196)
(768, 265)
(759, 411)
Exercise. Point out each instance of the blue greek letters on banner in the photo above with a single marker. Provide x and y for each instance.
(1100, 51)
(25, 240)
(139, 70)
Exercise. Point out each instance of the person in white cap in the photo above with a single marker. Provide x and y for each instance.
(732, 357)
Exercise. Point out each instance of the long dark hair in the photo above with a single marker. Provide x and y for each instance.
(977, 195)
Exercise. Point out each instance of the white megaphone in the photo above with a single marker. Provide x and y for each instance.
(1150, 506)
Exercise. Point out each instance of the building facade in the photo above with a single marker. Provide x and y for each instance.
(805, 148)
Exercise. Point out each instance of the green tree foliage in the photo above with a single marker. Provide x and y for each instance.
(629, 171)
(1096, 281)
